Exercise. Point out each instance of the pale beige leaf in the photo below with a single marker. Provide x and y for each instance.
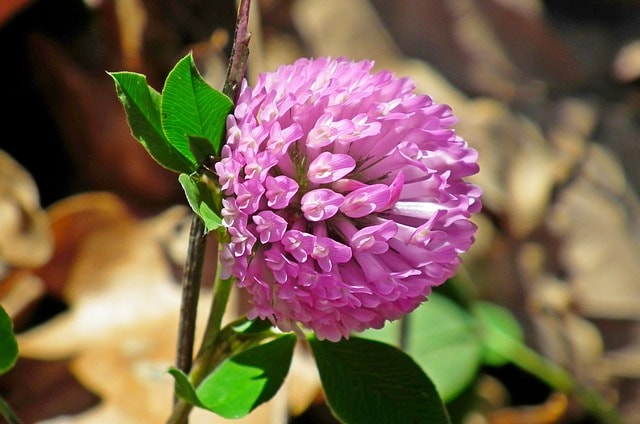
(25, 238)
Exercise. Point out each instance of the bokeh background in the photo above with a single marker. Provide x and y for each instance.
(92, 231)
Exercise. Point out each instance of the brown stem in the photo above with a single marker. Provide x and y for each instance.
(239, 53)
(197, 241)
(190, 292)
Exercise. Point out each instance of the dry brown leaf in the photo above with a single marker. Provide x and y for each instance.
(518, 167)
(552, 411)
(25, 240)
(626, 66)
(353, 29)
(132, 19)
(73, 219)
(124, 303)
(488, 47)
(565, 337)
(530, 179)
(97, 137)
(20, 290)
(600, 248)
(9, 8)
(121, 326)
(117, 266)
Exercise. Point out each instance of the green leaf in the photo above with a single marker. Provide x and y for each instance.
(443, 339)
(389, 334)
(183, 387)
(248, 379)
(200, 198)
(8, 344)
(201, 149)
(499, 330)
(142, 106)
(255, 326)
(369, 382)
(192, 108)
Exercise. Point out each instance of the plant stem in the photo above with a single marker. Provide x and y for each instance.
(239, 53)
(7, 413)
(559, 379)
(197, 242)
(221, 294)
(190, 293)
(211, 355)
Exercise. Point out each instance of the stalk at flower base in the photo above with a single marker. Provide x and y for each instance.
(346, 199)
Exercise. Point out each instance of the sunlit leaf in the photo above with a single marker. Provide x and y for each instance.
(499, 330)
(8, 344)
(253, 327)
(192, 108)
(184, 389)
(389, 334)
(243, 382)
(142, 106)
(369, 382)
(443, 339)
(201, 200)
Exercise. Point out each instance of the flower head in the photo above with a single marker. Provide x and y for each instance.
(346, 200)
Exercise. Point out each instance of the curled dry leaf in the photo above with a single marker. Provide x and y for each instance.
(353, 29)
(18, 292)
(117, 274)
(565, 337)
(529, 179)
(107, 269)
(25, 240)
(600, 244)
(552, 411)
(113, 272)
(72, 220)
(497, 48)
(626, 66)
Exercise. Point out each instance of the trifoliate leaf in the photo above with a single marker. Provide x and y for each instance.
(142, 107)
(192, 108)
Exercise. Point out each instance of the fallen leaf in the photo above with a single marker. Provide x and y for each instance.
(121, 326)
(25, 239)
(9, 8)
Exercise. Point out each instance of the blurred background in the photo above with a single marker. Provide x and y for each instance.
(92, 231)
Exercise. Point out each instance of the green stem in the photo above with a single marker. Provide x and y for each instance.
(222, 290)
(559, 379)
(7, 412)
